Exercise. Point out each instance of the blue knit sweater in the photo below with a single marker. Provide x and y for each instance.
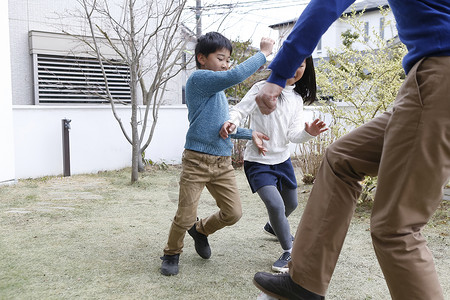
(423, 26)
(208, 106)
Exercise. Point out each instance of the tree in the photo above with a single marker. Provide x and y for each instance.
(147, 36)
(367, 81)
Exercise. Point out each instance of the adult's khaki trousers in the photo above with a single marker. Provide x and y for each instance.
(409, 150)
(217, 174)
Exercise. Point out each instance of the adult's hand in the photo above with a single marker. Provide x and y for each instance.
(267, 97)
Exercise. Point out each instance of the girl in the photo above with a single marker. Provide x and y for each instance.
(271, 174)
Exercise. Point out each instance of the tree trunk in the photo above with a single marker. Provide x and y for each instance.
(141, 164)
(136, 147)
(136, 152)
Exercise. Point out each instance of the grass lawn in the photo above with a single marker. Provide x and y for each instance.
(98, 237)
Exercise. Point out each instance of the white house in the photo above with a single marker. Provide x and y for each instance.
(373, 21)
(34, 104)
(7, 165)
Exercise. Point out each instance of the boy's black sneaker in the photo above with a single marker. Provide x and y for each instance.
(169, 265)
(281, 286)
(269, 230)
(201, 243)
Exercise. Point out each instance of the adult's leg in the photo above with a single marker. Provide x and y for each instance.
(332, 202)
(224, 190)
(271, 197)
(414, 168)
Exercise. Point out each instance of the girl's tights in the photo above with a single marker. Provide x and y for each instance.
(279, 206)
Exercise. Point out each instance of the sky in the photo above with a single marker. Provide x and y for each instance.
(245, 19)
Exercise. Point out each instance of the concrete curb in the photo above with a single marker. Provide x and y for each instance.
(446, 194)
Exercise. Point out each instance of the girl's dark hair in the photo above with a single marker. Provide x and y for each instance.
(306, 86)
(210, 43)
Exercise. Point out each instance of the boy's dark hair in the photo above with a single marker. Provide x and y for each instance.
(210, 43)
(306, 86)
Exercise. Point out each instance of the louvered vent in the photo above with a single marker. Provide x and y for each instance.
(79, 80)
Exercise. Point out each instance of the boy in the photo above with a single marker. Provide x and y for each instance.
(207, 157)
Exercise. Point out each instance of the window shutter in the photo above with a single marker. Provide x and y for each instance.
(79, 80)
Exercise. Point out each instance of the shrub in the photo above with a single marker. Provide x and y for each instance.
(366, 81)
(308, 156)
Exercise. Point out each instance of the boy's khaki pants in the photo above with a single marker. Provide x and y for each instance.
(217, 174)
(409, 150)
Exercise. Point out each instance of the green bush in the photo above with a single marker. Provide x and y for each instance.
(366, 82)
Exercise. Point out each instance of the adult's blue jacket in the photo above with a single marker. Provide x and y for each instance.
(423, 26)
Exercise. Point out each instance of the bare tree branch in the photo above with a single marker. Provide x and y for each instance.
(97, 51)
(146, 36)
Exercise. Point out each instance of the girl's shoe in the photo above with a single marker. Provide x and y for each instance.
(281, 265)
(269, 230)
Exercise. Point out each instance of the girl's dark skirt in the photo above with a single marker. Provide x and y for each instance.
(279, 175)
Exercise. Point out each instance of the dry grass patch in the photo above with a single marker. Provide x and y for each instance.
(98, 237)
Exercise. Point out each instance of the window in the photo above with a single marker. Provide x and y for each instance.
(366, 31)
(65, 72)
(319, 46)
(382, 28)
(69, 79)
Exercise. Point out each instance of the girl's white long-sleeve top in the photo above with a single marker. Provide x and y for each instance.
(285, 124)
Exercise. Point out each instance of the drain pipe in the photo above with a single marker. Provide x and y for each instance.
(66, 148)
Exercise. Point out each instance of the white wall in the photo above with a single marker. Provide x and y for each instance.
(96, 141)
(7, 172)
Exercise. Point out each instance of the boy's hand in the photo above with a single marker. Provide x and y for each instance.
(267, 97)
(258, 138)
(316, 127)
(226, 129)
(266, 46)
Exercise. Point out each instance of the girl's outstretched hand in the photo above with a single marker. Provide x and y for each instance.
(226, 129)
(316, 127)
(258, 139)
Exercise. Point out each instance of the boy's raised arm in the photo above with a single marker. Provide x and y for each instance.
(215, 81)
(266, 46)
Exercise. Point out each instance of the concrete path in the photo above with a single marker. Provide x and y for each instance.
(447, 194)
